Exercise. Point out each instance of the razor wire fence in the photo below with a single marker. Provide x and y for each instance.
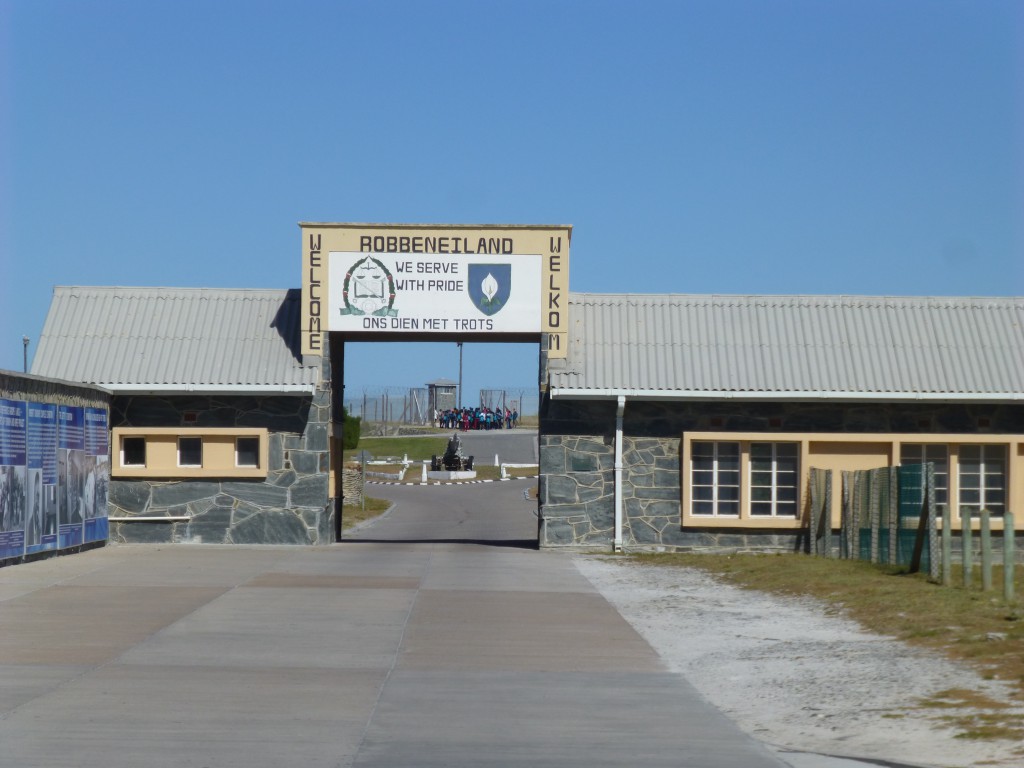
(412, 406)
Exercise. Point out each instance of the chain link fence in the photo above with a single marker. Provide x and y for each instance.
(888, 516)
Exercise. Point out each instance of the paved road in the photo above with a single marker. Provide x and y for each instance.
(435, 637)
(494, 513)
(511, 446)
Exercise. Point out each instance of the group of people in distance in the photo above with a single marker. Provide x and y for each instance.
(466, 419)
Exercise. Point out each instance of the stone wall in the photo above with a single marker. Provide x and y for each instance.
(290, 506)
(352, 486)
(577, 454)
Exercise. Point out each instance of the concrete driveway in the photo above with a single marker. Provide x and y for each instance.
(435, 637)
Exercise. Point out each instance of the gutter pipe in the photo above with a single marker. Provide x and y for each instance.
(619, 410)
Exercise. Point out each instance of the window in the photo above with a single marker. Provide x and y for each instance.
(178, 452)
(773, 479)
(715, 478)
(247, 452)
(917, 453)
(983, 477)
(190, 451)
(133, 451)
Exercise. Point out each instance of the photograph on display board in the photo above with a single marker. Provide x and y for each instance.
(97, 475)
(13, 481)
(70, 476)
(12, 511)
(49, 538)
(41, 526)
(94, 496)
(33, 509)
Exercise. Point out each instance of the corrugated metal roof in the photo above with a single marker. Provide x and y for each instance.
(175, 339)
(855, 347)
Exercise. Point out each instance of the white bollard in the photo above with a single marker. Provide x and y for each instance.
(423, 475)
(496, 462)
(504, 476)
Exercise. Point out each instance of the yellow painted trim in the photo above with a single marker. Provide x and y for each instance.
(162, 452)
(842, 450)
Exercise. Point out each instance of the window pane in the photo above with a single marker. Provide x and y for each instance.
(761, 494)
(911, 454)
(728, 450)
(133, 451)
(703, 477)
(787, 493)
(729, 508)
(970, 453)
(761, 451)
(993, 453)
(703, 463)
(190, 451)
(728, 493)
(729, 478)
(993, 475)
(970, 481)
(761, 508)
(995, 496)
(247, 452)
(703, 493)
(763, 479)
(786, 451)
(786, 465)
(970, 497)
(703, 508)
(731, 463)
(786, 508)
(703, 450)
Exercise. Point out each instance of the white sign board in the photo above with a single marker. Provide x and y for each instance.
(434, 293)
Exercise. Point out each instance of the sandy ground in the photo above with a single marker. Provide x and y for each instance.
(794, 676)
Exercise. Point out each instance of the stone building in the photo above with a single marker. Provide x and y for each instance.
(672, 421)
(219, 432)
(690, 422)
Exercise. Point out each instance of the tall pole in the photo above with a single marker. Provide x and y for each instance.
(24, 354)
(460, 374)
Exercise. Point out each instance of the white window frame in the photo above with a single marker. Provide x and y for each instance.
(774, 502)
(917, 453)
(715, 485)
(253, 465)
(124, 461)
(193, 438)
(985, 485)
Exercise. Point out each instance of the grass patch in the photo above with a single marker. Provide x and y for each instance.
(353, 514)
(971, 626)
(416, 448)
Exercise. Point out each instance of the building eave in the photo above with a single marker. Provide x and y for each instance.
(612, 393)
(211, 389)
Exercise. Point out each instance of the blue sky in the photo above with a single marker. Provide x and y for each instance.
(777, 147)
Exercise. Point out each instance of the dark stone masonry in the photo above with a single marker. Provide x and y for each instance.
(290, 506)
(577, 463)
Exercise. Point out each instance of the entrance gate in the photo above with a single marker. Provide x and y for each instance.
(412, 282)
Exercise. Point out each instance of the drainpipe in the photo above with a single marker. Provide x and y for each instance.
(621, 407)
